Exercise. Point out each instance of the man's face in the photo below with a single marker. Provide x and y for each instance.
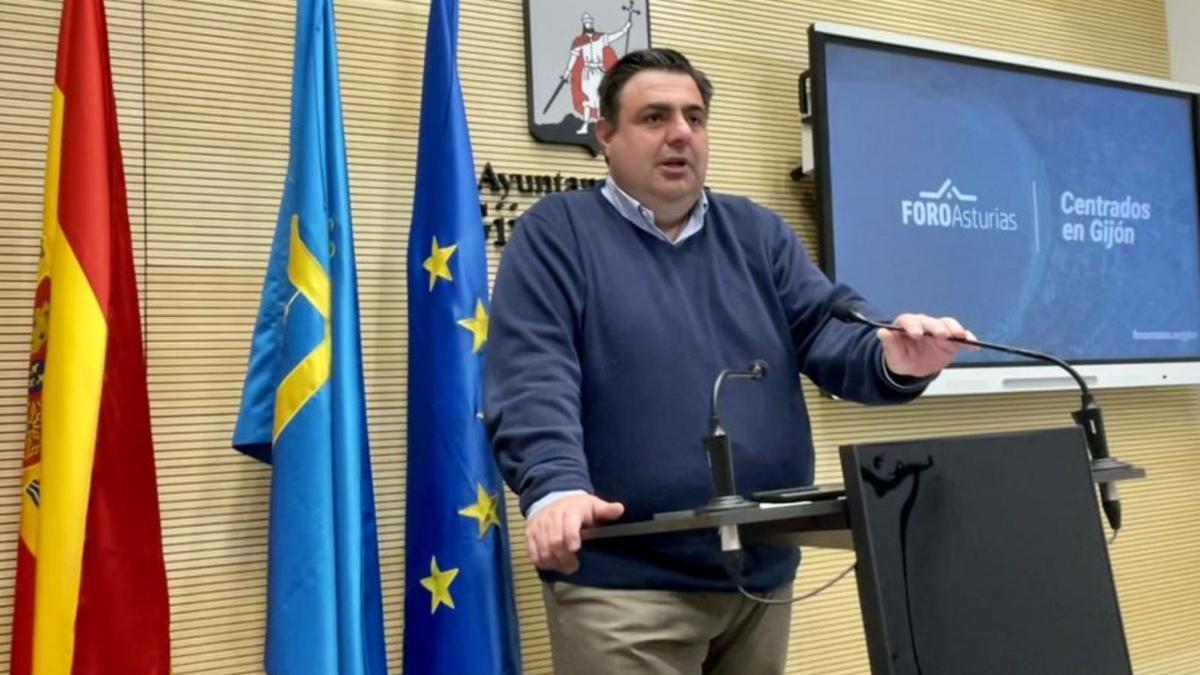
(589, 27)
(658, 152)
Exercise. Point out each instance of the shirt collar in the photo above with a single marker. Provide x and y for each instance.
(643, 218)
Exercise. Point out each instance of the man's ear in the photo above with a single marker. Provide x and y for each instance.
(604, 133)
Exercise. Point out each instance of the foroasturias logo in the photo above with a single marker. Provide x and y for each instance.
(950, 207)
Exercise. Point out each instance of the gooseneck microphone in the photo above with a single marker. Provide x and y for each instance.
(1088, 416)
(720, 468)
(716, 442)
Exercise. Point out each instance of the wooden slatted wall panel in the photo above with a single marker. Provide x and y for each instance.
(216, 93)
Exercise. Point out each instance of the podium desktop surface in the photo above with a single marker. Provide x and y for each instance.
(808, 523)
(812, 520)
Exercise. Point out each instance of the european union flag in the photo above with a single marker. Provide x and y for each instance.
(458, 608)
(303, 407)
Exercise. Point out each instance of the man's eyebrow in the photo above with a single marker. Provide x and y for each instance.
(659, 106)
(654, 107)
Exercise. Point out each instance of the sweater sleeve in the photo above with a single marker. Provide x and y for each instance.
(532, 370)
(842, 359)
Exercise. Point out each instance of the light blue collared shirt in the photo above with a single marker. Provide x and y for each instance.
(643, 218)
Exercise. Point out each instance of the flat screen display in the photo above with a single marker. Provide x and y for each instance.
(1045, 209)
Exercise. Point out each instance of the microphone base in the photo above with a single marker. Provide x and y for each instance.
(725, 503)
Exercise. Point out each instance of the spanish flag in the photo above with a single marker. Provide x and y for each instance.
(91, 592)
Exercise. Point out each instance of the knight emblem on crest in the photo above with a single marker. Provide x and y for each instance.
(569, 46)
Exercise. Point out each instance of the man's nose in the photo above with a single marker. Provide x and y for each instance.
(679, 131)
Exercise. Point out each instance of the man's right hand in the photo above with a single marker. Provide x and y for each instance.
(552, 534)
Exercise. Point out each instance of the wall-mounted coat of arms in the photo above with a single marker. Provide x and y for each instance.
(569, 45)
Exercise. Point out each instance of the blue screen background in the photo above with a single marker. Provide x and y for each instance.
(901, 124)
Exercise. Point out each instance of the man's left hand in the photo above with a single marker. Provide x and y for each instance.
(922, 348)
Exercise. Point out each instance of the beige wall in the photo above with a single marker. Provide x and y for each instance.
(205, 160)
(1183, 28)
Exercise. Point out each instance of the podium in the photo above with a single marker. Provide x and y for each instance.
(980, 554)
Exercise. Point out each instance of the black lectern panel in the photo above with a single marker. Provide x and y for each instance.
(983, 555)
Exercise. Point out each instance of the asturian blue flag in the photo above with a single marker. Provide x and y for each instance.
(303, 407)
(459, 615)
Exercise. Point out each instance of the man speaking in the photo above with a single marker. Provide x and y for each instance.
(614, 311)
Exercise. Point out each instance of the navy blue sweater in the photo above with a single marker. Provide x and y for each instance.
(603, 347)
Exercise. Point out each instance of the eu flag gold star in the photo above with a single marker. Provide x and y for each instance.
(438, 584)
(438, 263)
(478, 325)
(483, 510)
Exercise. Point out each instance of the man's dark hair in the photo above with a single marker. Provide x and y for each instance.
(646, 59)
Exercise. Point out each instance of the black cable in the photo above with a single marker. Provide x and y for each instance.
(733, 565)
(799, 598)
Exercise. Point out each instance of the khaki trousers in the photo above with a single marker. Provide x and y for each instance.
(597, 631)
